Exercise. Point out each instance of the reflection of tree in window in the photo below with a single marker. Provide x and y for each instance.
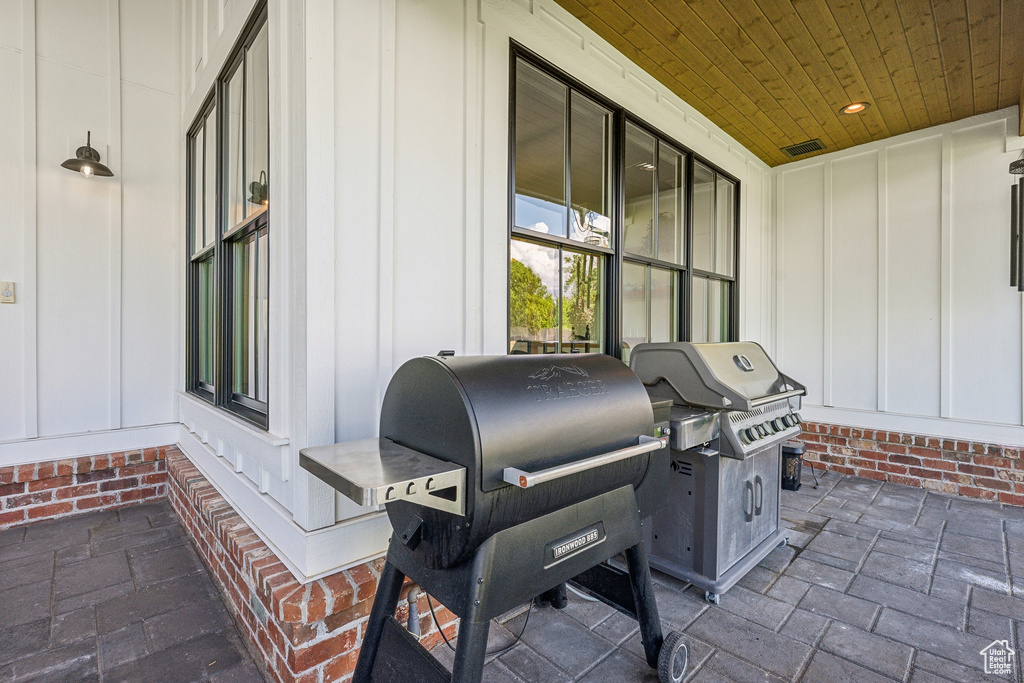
(582, 283)
(532, 306)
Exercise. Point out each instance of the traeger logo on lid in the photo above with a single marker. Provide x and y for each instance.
(564, 381)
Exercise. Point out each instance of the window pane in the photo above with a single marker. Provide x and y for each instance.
(582, 303)
(533, 299)
(703, 217)
(634, 307)
(699, 311)
(196, 190)
(210, 225)
(725, 228)
(235, 179)
(639, 192)
(262, 314)
(671, 181)
(663, 306)
(718, 311)
(540, 152)
(257, 124)
(205, 296)
(590, 172)
(249, 309)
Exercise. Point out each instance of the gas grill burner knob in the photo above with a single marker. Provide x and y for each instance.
(769, 427)
(761, 430)
(748, 436)
(796, 416)
(779, 424)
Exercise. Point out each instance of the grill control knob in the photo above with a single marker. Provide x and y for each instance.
(761, 431)
(779, 424)
(748, 436)
(796, 416)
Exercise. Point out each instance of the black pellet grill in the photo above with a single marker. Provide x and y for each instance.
(731, 412)
(504, 477)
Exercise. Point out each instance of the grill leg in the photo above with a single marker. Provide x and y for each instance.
(388, 589)
(646, 605)
(471, 648)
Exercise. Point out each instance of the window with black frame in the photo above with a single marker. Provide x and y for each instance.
(714, 256)
(561, 227)
(654, 239)
(602, 227)
(229, 235)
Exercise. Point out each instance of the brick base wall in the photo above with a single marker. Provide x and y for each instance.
(60, 488)
(968, 468)
(307, 633)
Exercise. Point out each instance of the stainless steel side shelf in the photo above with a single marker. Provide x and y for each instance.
(376, 471)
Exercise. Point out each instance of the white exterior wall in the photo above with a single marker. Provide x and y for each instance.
(91, 348)
(894, 303)
(389, 158)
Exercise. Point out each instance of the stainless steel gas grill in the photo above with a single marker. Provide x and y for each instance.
(732, 411)
(505, 477)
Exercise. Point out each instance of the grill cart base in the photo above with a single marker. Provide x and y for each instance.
(510, 568)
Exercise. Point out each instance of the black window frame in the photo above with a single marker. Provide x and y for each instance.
(221, 393)
(616, 255)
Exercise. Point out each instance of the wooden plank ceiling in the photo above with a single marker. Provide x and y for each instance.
(774, 73)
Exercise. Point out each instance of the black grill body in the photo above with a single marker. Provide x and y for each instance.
(487, 413)
(513, 544)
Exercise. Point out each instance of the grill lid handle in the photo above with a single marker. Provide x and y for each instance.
(525, 480)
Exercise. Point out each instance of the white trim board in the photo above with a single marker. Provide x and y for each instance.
(307, 554)
(45, 449)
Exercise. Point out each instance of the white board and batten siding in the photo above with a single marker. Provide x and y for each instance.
(894, 304)
(389, 155)
(91, 347)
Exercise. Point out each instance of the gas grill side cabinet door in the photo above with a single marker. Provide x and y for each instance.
(766, 473)
(735, 511)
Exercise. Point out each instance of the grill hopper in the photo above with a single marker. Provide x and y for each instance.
(526, 412)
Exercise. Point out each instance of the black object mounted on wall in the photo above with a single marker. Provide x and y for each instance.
(87, 161)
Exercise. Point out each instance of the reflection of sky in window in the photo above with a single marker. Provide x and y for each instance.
(543, 261)
(540, 215)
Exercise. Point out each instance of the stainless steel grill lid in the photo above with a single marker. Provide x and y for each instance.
(729, 375)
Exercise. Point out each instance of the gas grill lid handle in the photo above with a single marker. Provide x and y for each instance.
(525, 480)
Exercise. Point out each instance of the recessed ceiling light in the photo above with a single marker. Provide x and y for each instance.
(855, 108)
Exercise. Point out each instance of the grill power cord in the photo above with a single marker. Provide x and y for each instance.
(499, 651)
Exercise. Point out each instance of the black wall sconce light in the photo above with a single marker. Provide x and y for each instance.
(258, 190)
(87, 161)
(1017, 225)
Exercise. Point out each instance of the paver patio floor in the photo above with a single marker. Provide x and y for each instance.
(880, 582)
(113, 596)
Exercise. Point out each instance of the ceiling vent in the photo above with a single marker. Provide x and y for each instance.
(802, 148)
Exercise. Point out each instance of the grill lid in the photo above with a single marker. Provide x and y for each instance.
(734, 375)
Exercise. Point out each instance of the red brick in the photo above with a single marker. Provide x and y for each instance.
(78, 491)
(137, 494)
(155, 478)
(308, 657)
(98, 475)
(134, 470)
(925, 452)
(963, 446)
(95, 502)
(992, 461)
(341, 666)
(118, 484)
(905, 459)
(894, 469)
(893, 448)
(842, 470)
(7, 475)
(979, 449)
(994, 484)
(858, 462)
(871, 474)
(117, 460)
(943, 465)
(976, 493)
(975, 470)
(28, 499)
(873, 455)
(12, 517)
(958, 478)
(25, 473)
(1010, 498)
(906, 481)
(50, 510)
(924, 474)
(835, 459)
(53, 483)
(943, 486)
(12, 489)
